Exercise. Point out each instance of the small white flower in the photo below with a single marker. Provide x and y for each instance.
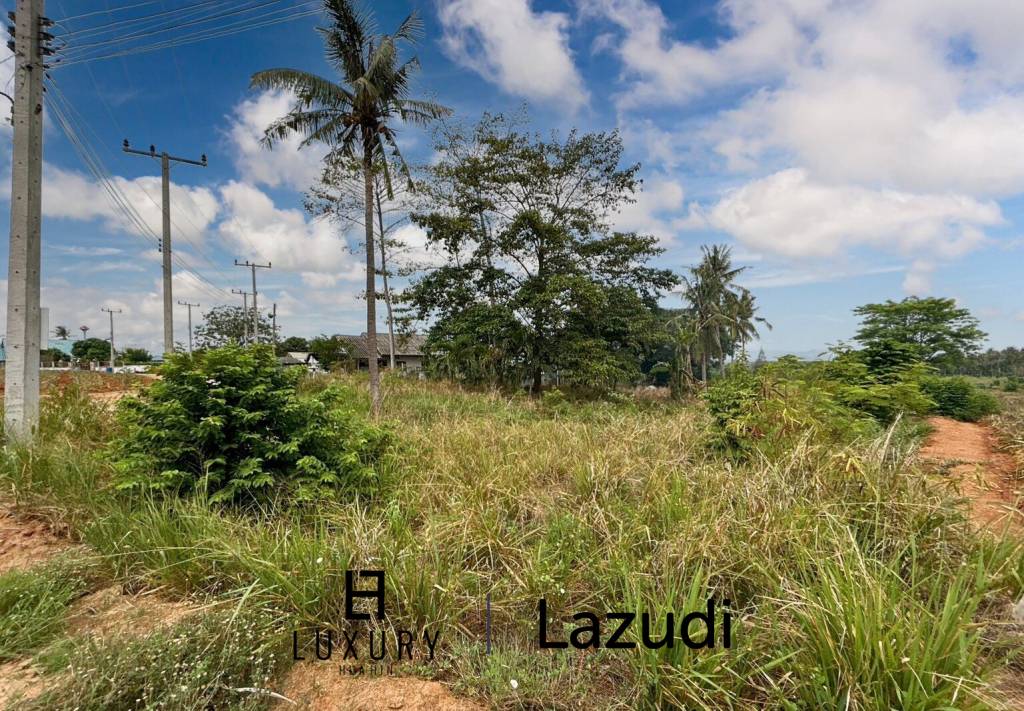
(319, 560)
(514, 683)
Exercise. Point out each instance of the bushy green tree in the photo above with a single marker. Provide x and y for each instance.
(228, 422)
(223, 325)
(292, 344)
(136, 356)
(936, 330)
(535, 280)
(91, 349)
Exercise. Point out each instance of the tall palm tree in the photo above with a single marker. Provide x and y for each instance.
(61, 332)
(355, 116)
(711, 291)
(744, 319)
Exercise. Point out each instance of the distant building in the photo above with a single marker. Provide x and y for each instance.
(294, 359)
(64, 346)
(408, 351)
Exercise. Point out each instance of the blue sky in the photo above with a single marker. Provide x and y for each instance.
(850, 152)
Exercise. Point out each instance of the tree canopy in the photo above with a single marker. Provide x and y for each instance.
(934, 329)
(223, 325)
(535, 281)
(90, 349)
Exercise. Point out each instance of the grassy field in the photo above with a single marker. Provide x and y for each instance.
(854, 577)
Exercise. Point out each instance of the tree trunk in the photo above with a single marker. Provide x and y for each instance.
(387, 289)
(371, 287)
(704, 367)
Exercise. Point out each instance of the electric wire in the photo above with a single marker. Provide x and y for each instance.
(64, 113)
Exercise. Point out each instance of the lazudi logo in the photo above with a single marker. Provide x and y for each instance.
(376, 645)
(588, 633)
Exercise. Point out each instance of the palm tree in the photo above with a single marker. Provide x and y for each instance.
(711, 292)
(355, 116)
(744, 319)
(61, 332)
(84, 330)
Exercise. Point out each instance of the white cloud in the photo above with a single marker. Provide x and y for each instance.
(524, 52)
(72, 195)
(790, 214)
(285, 237)
(767, 40)
(285, 164)
(652, 212)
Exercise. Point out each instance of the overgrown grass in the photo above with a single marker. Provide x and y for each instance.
(225, 660)
(852, 574)
(33, 604)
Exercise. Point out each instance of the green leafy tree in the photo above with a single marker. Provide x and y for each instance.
(91, 349)
(292, 344)
(229, 324)
(355, 116)
(330, 351)
(52, 356)
(136, 356)
(936, 329)
(228, 422)
(535, 280)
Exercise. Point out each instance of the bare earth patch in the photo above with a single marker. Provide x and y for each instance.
(110, 612)
(985, 475)
(321, 687)
(26, 542)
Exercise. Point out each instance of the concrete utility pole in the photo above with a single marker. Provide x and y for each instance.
(21, 377)
(255, 312)
(273, 321)
(245, 313)
(165, 243)
(185, 303)
(111, 312)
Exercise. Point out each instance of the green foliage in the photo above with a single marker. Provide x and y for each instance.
(769, 411)
(136, 356)
(223, 325)
(958, 398)
(292, 344)
(52, 356)
(536, 280)
(219, 661)
(881, 381)
(331, 351)
(90, 349)
(937, 331)
(33, 604)
(229, 423)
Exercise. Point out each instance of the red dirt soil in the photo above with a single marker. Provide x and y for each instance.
(321, 687)
(983, 474)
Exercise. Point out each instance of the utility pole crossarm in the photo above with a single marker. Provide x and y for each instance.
(165, 243)
(255, 312)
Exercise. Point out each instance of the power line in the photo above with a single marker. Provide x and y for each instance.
(200, 36)
(103, 12)
(63, 112)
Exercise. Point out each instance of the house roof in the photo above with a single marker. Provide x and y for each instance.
(406, 345)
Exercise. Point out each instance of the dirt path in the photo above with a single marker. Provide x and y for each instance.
(983, 474)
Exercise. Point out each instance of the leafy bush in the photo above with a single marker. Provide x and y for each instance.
(229, 422)
(883, 383)
(958, 398)
(771, 410)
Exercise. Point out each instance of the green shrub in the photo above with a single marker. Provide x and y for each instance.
(958, 398)
(1012, 385)
(228, 421)
(771, 410)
